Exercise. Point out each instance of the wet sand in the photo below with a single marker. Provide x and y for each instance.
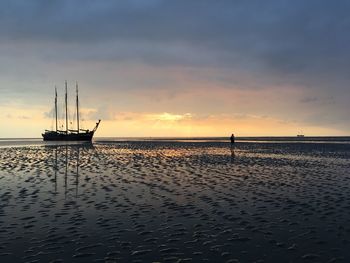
(175, 202)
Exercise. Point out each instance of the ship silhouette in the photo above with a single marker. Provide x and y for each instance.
(69, 134)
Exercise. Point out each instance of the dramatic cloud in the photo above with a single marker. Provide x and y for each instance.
(284, 59)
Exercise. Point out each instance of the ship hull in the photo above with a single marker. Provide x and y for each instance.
(56, 136)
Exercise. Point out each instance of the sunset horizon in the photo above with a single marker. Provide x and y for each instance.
(154, 124)
(174, 131)
(152, 68)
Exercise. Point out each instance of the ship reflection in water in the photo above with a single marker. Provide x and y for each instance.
(66, 162)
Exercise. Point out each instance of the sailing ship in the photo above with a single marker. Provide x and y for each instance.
(69, 134)
(300, 135)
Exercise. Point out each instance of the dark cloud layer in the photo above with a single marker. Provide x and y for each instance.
(276, 42)
(286, 37)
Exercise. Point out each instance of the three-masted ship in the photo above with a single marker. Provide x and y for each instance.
(69, 134)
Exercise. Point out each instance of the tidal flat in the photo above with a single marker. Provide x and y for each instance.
(175, 201)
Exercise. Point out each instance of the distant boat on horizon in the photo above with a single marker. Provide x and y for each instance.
(300, 135)
(69, 134)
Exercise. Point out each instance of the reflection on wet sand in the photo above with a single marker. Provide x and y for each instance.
(232, 153)
(174, 202)
(61, 152)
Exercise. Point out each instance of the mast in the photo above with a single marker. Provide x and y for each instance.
(56, 106)
(76, 86)
(66, 102)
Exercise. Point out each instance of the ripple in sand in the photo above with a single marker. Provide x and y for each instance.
(175, 201)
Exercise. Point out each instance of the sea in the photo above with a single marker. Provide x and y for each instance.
(12, 142)
(263, 199)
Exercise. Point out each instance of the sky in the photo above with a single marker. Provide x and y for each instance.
(177, 68)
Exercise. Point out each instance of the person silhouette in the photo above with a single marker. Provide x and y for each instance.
(232, 138)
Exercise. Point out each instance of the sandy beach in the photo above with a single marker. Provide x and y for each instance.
(159, 201)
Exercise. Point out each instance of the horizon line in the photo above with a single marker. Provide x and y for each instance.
(201, 137)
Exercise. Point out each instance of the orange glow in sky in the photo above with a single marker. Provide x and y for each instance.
(149, 73)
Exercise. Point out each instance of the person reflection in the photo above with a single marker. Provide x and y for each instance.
(232, 153)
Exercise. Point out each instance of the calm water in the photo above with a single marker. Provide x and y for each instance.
(13, 142)
(174, 201)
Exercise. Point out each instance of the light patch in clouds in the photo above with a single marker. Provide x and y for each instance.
(160, 124)
(128, 124)
(168, 117)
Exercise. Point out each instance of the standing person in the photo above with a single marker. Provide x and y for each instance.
(232, 139)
